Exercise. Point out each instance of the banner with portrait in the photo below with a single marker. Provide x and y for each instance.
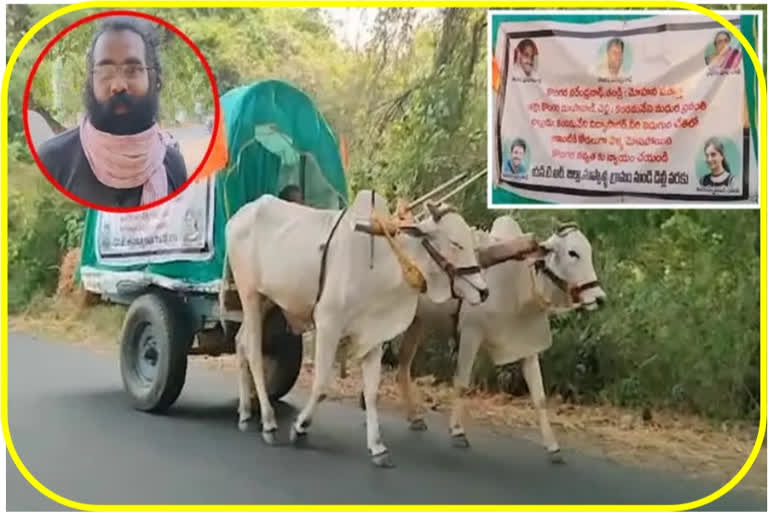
(178, 230)
(651, 108)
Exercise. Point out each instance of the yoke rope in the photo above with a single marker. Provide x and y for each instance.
(411, 272)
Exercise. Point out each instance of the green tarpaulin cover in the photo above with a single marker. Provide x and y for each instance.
(275, 136)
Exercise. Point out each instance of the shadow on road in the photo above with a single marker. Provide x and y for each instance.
(227, 411)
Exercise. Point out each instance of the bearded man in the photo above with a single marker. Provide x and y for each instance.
(118, 156)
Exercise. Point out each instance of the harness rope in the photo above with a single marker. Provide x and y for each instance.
(562, 284)
(411, 271)
(324, 256)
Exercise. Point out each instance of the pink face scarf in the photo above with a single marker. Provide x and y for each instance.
(127, 161)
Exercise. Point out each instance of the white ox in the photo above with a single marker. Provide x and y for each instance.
(512, 325)
(274, 251)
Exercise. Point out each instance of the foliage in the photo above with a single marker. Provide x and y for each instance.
(42, 226)
(58, 82)
(682, 328)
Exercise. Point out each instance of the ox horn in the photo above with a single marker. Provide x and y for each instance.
(434, 192)
(563, 227)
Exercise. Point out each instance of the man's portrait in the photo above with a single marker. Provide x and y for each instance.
(525, 61)
(114, 152)
(515, 165)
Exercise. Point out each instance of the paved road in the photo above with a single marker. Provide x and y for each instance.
(73, 428)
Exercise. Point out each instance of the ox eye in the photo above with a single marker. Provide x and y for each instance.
(573, 254)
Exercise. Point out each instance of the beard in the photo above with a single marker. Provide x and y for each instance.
(139, 116)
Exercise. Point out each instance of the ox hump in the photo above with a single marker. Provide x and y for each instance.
(506, 227)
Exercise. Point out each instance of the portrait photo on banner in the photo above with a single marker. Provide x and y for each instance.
(108, 119)
(650, 107)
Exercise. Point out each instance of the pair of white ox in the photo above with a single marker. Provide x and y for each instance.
(323, 270)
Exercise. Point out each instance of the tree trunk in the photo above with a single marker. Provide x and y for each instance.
(469, 68)
(52, 123)
(453, 24)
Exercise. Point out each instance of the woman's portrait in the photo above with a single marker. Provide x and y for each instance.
(721, 54)
(720, 174)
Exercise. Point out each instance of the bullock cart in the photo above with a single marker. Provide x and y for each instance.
(166, 264)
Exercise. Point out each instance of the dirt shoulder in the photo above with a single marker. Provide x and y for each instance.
(669, 441)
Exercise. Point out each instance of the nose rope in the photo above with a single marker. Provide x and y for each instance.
(478, 289)
(545, 304)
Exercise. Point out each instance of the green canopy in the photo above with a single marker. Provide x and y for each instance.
(275, 137)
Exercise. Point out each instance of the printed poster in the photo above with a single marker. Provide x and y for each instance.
(651, 107)
(178, 230)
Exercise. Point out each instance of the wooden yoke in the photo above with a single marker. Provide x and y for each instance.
(519, 248)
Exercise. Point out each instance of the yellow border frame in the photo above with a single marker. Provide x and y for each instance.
(660, 4)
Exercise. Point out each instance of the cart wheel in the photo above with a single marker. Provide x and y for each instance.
(283, 355)
(153, 351)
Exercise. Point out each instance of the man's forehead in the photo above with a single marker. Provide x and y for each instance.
(118, 46)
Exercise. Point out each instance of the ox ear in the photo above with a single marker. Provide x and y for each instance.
(548, 245)
(434, 211)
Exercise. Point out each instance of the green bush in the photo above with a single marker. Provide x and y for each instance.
(42, 226)
(681, 326)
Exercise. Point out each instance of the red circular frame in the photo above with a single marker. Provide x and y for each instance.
(216, 106)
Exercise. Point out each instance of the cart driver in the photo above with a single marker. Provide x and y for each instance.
(291, 193)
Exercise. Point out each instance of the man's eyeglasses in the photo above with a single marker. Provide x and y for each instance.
(107, 72)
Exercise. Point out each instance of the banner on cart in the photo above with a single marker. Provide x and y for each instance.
(180, 229)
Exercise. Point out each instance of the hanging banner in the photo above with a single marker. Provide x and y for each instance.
(180, 229)
(651, 108)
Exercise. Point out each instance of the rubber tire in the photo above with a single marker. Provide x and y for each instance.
(172, 331)
(285, 353)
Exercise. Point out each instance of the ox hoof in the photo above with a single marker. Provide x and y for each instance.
(243, 425)
(382, 460)
(460, 440)
(418, 425)
(298, 438)
(556, 457)
(270, 437)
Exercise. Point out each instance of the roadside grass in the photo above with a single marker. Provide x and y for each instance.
(64, 318)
